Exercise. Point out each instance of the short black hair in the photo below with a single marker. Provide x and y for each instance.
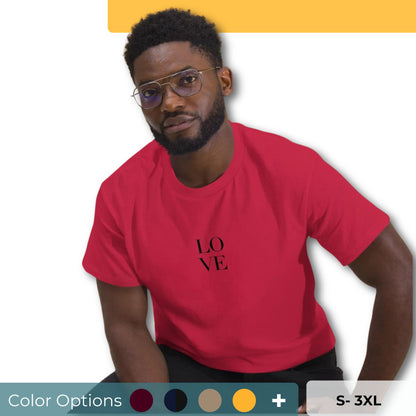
(169, 26)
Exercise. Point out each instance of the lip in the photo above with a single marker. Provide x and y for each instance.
(178, 123)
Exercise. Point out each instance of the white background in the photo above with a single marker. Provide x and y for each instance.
(68, 121)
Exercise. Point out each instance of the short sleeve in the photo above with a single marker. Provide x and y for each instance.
(106, 257)
(339, 217)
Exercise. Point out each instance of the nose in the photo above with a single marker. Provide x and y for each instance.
(170, 100)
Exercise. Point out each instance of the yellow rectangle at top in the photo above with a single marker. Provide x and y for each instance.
(278, 16)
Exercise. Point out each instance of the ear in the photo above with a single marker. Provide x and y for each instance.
(226, 80)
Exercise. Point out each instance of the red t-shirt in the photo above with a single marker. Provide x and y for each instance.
(226, 264)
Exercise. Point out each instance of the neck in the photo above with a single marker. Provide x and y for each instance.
(200, 168)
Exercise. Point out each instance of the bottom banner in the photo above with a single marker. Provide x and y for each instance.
(56, 399)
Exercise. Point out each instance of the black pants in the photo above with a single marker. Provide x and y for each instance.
(183, 369)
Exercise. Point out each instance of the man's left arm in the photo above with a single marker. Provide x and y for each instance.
(387, 266)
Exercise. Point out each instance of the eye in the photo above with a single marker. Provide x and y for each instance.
(187, 79)
(149, 92)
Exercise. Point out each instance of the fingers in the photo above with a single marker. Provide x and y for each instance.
(302, 408)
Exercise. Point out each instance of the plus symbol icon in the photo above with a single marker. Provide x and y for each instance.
(279, 400)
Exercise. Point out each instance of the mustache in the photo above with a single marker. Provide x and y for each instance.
(178, 113)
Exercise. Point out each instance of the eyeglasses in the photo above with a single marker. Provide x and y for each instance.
(183, 83)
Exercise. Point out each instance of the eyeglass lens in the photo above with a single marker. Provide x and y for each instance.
(185, 84)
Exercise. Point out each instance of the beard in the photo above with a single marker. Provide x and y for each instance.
(208, 127)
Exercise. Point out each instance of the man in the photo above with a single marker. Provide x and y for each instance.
(213, 219)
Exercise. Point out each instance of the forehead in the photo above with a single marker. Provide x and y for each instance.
(167, 58)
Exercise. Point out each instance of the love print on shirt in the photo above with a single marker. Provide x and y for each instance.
(211, 259)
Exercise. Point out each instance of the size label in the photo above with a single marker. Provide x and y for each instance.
(358, 400)
(351, 397)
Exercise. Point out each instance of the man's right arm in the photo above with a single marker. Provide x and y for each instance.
(136, 356)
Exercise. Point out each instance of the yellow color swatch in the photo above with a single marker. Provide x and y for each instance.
(278, 15)
(244, 400)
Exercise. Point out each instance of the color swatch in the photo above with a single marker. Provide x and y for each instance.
(175, 400)
(209, 400)
(141, 400)
(244, 400)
